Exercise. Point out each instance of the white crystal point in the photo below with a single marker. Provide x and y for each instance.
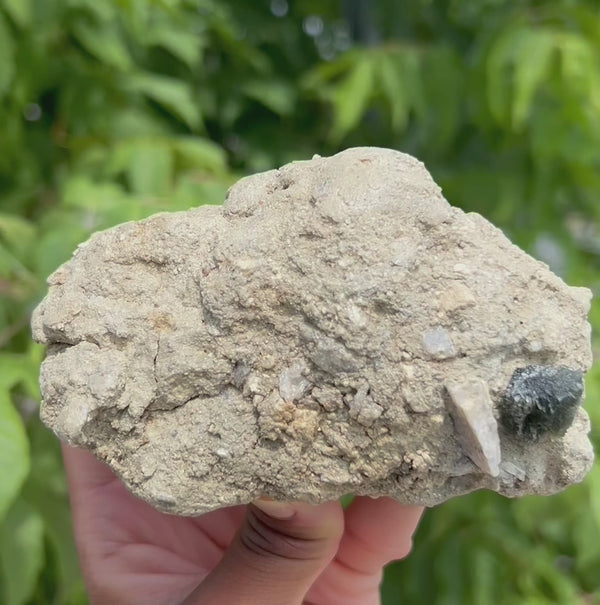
(477, 430)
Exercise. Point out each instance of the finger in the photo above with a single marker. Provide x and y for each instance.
(124, 544)
(84, 469)
(277, 555)
(378, 530)
(97, 493)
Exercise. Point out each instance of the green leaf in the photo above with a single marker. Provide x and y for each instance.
(150, 171)
(444, 96)
(102, 11)
(184, 45)
(346, 500)
(135, 122)
(579, 64)
(7, 262)
(410, 61)
(14, 448)
(83, 193)
(192, 191)
(198, 153)
(593, 481)
(484, 587)
(325, 72)
(57, 245)
(94, 206)
(46, 492)
(14, 271)
(21, 552)
(7, 59)
(18, 233)
(20, 11)
(498, 74)
(532, 65)
(394, 89)
(351, 97)
(11, 371)
(278, 96)
(173, 94)
(105, 42)
(18, 368)
(448, 572)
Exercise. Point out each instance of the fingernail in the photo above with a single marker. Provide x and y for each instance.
(277, 510)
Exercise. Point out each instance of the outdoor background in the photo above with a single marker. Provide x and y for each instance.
(111, 110)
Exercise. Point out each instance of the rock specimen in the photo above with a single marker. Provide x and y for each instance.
(336, 327)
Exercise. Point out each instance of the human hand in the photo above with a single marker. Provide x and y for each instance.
(131, 554)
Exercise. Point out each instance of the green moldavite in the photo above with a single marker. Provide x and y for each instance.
(541, 399)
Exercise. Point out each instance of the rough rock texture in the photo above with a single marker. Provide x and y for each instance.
(335, 327)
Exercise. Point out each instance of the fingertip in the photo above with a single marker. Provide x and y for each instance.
(379, 530)
(280, 550)
(301, 519)
(83, 468)
(369, 510)
(277, 510)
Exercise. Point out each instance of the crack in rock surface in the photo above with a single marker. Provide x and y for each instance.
(335, 327)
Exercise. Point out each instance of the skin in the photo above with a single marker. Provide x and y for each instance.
(263, 553)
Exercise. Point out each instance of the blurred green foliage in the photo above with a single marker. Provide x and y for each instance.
(114, 110)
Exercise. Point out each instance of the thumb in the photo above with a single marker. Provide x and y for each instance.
(276, 556)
